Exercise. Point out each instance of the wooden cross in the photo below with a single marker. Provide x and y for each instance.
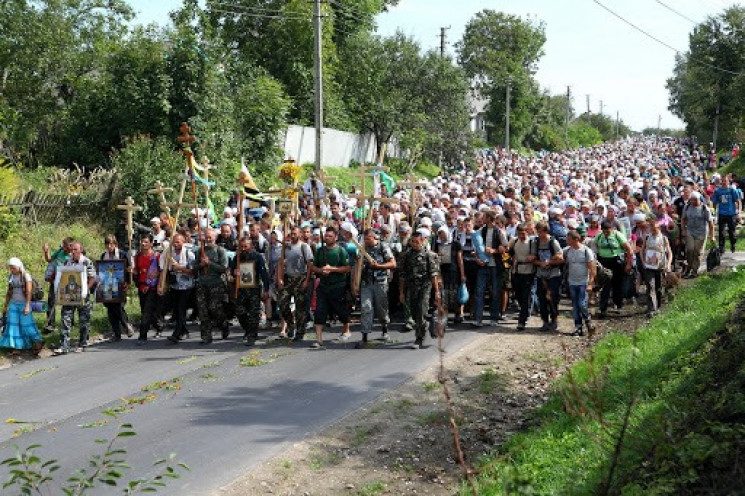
(206, 167)
(161, 191)
(410, 182)
(186, 138)
(129, 207)
(370, 200)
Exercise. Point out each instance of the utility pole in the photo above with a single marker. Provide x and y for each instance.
(318, 80)
(443, 37)
(659, 124)
(507, 117)
(569, 109)
(618, 124)
(587, 97)
(601, 107)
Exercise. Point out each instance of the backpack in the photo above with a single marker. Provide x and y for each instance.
(37, 293)
(603, 275)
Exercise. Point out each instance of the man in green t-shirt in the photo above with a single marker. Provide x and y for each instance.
(330, 265)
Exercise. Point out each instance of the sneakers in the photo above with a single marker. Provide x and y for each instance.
(407, 328)
(417, 345)
(478, 324)
(317, 346)
(384, 337)
(59, 351)
(577, 332)
(344, 337)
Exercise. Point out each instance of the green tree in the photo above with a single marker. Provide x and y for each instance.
(498, 49)
(709, 79)
(48, 50)
(382, 82)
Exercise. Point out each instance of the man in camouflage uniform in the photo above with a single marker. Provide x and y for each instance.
(293, 279)
(211, 293)
(374, 286)
(418, 278)
(248, 303)
(399, 247)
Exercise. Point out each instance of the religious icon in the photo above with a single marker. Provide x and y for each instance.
(111, 275)
(248, 275)
(71, 285)
(284, 206)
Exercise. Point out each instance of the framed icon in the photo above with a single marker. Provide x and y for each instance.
(111, 279)
(248, 275)
(71, 285)
(284, 206)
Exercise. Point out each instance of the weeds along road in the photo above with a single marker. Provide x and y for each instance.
(222, 409)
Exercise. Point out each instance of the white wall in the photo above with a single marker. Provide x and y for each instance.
(338, 147)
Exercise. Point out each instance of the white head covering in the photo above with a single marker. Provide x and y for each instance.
(15, 262)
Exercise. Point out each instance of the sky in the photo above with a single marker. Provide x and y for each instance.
(587, 48)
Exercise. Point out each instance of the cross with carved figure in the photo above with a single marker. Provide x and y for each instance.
(129, 207)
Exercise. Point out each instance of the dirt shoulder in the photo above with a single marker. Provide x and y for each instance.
(402, 444)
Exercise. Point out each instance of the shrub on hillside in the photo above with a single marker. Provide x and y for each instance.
(140, 163)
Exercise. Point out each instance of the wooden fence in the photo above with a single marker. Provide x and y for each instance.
(38, 207)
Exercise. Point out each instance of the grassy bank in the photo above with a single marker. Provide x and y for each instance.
(645, 413)
(26, 244)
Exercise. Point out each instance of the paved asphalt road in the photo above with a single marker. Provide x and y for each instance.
(224, 420)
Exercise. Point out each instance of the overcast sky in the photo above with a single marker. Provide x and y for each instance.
(587, 47)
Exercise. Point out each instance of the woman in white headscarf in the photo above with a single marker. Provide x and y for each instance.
(20, 329)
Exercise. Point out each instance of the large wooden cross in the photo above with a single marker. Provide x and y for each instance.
(161, 192)
(205, 168)
(371, 200)
(129, 207)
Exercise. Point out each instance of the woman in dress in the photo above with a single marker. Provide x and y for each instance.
(20, 329)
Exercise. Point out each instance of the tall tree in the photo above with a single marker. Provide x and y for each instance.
(709, 79)
(48, 49)
(498, 49)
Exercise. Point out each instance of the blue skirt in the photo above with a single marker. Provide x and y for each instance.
(20, 330)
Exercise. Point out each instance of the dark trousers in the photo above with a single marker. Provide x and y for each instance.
(727, 221)
(115, 313)
(179, 302)
(522, 284)
(548, 297)
(616, 284)
(148, 312)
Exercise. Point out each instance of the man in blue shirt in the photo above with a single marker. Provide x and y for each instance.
(726, 200)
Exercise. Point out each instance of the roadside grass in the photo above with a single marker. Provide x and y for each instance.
(736, 167)
(615, 408)
(26, 244)
(346, 177)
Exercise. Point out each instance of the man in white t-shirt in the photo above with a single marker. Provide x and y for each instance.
(579, 265)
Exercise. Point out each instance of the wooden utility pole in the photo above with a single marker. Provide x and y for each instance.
(318, 80)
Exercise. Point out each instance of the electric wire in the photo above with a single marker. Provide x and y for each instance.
(647, 34)
(679, 14)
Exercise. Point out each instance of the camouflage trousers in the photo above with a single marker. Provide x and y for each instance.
(294, 290)
(210, 303)
(248, 310)
(84, 320)
(417, 299)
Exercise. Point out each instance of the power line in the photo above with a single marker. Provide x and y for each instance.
(645, 33)
(676, 12)
(256, 11)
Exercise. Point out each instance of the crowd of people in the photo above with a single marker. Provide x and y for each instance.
(612, 223)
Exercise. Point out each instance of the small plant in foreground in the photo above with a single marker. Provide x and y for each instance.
(31, 475)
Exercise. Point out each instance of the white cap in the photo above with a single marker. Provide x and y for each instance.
(154, 220)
